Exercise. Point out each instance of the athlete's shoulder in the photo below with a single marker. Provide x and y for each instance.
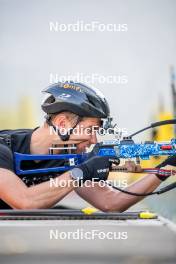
(6, 157)
(5, 151)
(18, 140)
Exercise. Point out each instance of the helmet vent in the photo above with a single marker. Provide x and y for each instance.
(50, 99)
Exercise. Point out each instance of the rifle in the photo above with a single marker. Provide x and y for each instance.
(119, 149)
(173, 89)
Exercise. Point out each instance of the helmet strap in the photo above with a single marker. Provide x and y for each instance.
(64, 137)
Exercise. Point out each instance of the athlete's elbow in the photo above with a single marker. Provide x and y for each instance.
(111, 209)
(26, 204)
(107, 208)
(114, 207)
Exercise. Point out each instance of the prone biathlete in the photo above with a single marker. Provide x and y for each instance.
(67, 106)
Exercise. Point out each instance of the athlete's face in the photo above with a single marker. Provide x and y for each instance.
(86, 131)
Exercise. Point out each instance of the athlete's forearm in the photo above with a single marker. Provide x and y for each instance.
(147, 184)
(16, 194)
(47, 194)
(108, 199)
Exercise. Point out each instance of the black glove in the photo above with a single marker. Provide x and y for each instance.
(170, 161)
(96, 168)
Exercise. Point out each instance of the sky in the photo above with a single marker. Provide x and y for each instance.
(140, 56)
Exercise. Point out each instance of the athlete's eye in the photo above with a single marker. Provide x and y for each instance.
(90, 129)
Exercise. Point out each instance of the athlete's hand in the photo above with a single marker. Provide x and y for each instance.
(96, 168)
(168, 164)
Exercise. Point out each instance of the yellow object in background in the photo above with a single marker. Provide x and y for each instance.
(161, 133)
(26, 116)
(23, 116)
(166, 132)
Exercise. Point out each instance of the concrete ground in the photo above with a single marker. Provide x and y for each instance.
(88, 241)
(54, 241)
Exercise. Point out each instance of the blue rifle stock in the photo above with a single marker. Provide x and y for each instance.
(125, 149)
